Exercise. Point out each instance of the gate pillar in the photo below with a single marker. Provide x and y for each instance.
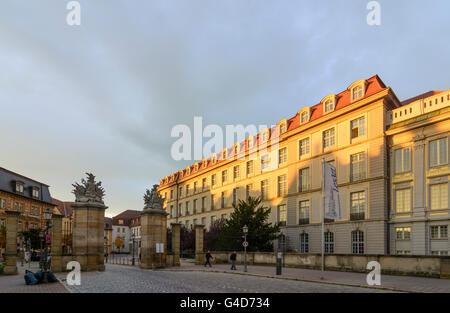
(12, 220)
(199, 253)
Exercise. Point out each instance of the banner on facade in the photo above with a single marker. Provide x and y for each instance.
(331, 194)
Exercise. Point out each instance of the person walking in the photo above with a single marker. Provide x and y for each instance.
(208, 256)
(233, 260)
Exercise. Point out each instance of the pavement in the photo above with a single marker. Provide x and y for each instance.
(388, 282)
(16, 283)
(132, 279)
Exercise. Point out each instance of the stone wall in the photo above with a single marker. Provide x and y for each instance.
(426, 266)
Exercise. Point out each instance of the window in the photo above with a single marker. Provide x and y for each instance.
(282, 218)
(222, 199)
(171, 194)
(304, 117)
(194, 207)
(439, 252)
(171, 211)
(34, 211)
(439, 196)
(265, 136)
(358, 127)
(264, 162)
(303, 213)
(304, 243)
(248, 189)
(203, 183)
(402, 158)
(204, 163)
(329, 242)
(250, 143)
(303, 147)
(282, 128)
(213, 180)
(249, 168)
(304, 182)
(203, 220)
(195, 187)
(403, 200)
(265, 189)
(2, 203)
(181, 191)
(328, 138)
(187, 208)
(35, 192)
(357, 92)
(235, 196)
(357, 205)
(195, 221)
(180, 209)
(187, 190)
(282, 155)
(439, 232)
(236, 172)
(438, 152)
(224, 176)
(19, 187)
(329, 106)
(358, 166)
(357, 242)
(403, 233)
(203, 204)
(212, 202)
(282, 187)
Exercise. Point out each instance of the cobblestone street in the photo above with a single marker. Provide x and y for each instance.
(119, 278)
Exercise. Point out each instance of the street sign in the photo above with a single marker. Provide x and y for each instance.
(159, 248)
(245, 243)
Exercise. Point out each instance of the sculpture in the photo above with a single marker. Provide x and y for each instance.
(89, 191)
(152, 199)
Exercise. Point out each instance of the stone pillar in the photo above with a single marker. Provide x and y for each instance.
(12, 220)
(176, 232)
(56, 250)
(153, 231)
(88, 239)
(199, 253)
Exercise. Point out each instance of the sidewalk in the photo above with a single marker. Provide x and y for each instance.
(16, 283)
(390, 282)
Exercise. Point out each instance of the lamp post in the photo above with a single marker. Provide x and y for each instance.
(245, 230)
(46, 263)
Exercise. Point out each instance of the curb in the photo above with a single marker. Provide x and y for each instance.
(292, 278)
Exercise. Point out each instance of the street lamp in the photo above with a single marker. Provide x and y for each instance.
(245, 230)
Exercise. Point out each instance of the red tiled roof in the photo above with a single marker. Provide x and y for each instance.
(374, 85)
(421, 96)
(64, 207)
(108, 223)
(126, 216)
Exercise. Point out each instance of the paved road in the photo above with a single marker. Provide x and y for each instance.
(119, 278)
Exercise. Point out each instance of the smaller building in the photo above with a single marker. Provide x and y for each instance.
(121, 231)
(65, 209)
(136, 235)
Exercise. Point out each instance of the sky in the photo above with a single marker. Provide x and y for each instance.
(103, 96)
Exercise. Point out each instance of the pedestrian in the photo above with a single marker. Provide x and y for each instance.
(233, 260)
(208, 256)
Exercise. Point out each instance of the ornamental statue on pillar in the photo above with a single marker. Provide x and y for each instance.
(88, 224)
(153, 201)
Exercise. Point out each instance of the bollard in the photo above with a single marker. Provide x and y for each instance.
(279, 262)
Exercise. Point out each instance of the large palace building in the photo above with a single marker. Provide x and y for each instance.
(392, 169)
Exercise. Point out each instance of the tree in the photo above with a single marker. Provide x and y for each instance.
(213, 234)
(260, 232)
(32, 236)
(187, 240)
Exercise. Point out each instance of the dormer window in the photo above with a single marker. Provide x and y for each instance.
(357, 93)
(188, 171)
(35, 192)
(282, 128)
(304, 117)
(204, 164)
(224, 154)
(181, 174)
(250, 142)
(329, 106)
(265, 136)
(214, 159)
(196, 167)
(19, 187)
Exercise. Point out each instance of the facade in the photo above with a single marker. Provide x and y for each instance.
(121, 227)
(282, 164)
(65, 209)
(108, 235)
(136, 235)
(28, 196)
(418, 135)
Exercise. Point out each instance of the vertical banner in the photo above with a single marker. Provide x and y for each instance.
(331, 194)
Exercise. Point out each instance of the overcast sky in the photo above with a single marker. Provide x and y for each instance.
(103, 96)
